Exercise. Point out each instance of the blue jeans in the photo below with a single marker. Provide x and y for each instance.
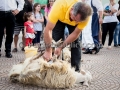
(117, 35)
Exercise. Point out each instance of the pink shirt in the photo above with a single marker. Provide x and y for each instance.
(47, 9)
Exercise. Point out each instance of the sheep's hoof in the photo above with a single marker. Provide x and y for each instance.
(86, 84)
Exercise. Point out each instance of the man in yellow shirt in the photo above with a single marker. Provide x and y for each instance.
(75, 16)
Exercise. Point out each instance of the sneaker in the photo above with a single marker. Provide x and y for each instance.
(14, 50)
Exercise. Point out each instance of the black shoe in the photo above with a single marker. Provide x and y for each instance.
(77, 69)
(101, 46)
(8, 55)
(118, 44)
(96, 49)
(88, 51)
(115, 45)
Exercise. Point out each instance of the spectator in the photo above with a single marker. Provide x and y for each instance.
(20, 24)
(43, 3)
(109, 22)
(117, 30)
(37, 25)
(28, 28)
(75, 16)
(8, 11)
(90, 34)
(48, 8)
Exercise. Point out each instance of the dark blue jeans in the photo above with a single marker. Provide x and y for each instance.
(58, 33)
(117, 35)
(7, 20)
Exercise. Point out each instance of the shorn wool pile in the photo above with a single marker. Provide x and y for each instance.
(56, 74)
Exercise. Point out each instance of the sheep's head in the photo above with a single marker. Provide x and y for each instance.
(14, 78)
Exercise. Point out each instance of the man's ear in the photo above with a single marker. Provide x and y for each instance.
(71, 10)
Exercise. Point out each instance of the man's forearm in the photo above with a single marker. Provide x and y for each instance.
(48, 39)
(71, 38)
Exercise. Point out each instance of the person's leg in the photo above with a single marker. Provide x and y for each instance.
(26, 41)
(35, 40)
(10, 23)
(2, 26)
(100, 35)
(111, 31)
(95, 28)
(104, 32)
(58, 31)
(30, 41)
(38, 39)
(116, 33)
(66, 33)
(16, 34)
(75, 51)
(119, 36)
(23, 39)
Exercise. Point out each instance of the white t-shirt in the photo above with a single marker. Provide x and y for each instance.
(96, 3)
(38, 25)
(112, 18)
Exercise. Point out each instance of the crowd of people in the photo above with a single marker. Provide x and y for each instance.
(66, 19)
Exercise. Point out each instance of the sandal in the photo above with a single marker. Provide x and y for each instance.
(14, 50)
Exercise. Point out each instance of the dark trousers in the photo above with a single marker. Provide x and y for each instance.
(7, 20)
(95, 28)
(108, 27)
(37, 37)
(58, 33)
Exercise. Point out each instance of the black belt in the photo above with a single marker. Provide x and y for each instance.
(6, 11)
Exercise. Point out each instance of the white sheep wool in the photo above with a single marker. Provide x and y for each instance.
(36, 71)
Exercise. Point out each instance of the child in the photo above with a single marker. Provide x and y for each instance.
(28, 28)
(37, 25)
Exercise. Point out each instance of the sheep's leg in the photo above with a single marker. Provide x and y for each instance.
(86, 83)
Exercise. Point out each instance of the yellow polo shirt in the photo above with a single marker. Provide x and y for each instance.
(60, 11)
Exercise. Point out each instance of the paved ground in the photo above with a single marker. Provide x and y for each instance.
(105, 68)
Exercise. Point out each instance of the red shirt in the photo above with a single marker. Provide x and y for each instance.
(29, 27)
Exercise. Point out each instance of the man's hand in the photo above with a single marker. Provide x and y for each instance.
(47, 55)
(15, 12)
(100, 20)
(58, 51)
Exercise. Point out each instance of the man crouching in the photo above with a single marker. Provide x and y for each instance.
(74, 15)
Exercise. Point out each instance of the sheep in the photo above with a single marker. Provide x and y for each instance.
(58, 74)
